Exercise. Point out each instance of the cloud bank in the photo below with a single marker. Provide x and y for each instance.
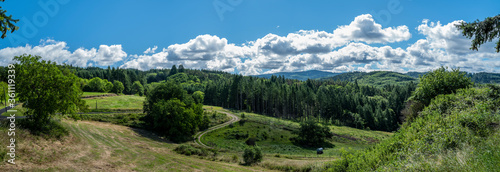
(347, 48)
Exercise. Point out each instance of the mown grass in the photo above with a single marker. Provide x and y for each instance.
(125, 119)
(124, 102)
(97, 146)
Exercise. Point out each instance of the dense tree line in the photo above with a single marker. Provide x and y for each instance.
(338, 102)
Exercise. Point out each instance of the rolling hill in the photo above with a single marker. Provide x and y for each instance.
(377, 78)
(304, 75)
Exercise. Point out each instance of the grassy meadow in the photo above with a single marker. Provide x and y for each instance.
(122, 102)
(273, 136)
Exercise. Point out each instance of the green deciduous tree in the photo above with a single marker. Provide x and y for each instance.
(252, 155)
(118, 87)
(312, 134)
(97, 84)
(173, 113)
(6, 22)
(482, 31)
(46, 88)
(137, 88)
(198, 96)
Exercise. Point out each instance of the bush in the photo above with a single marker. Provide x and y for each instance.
(173, 113)
(440, 81)
(311, 134)
(250, 141)
(252, 155)
(189, 150)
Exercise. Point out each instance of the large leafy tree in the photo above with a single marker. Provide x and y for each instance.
(118, 87)
(46, 88)
(312, 134)
(482, 31)
(173, 113)
(6, 22)
(137, 88)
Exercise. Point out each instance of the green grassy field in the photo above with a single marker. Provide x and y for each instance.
(94, 94)
(274, 137)
(124, 102)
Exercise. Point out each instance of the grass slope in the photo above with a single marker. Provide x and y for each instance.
(96, 146)
(456, 132)
(274, 137)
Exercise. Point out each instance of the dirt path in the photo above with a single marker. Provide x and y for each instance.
(198, 135)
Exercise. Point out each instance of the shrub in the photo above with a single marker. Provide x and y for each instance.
(250, 141)
(252, 155)
(440, 81)
(189, 150)
(311, 134)
(235, 158)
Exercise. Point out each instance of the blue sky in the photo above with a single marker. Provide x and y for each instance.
(138, 25)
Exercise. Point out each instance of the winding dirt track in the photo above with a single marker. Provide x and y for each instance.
(198, 135)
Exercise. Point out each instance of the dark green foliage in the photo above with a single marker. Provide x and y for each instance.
(173, 113)
(173, 71)
(6, 22)
(482, 31)
(252, 155)
(312, 134)
(303, 76)
(181, 69)
(251, 141)
(137, 88)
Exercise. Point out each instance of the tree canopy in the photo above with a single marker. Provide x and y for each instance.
(46, 88)
(6, 22)
(482, 31)
(173, 113)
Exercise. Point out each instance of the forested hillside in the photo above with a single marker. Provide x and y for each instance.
(376, 78)
(303, 75)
